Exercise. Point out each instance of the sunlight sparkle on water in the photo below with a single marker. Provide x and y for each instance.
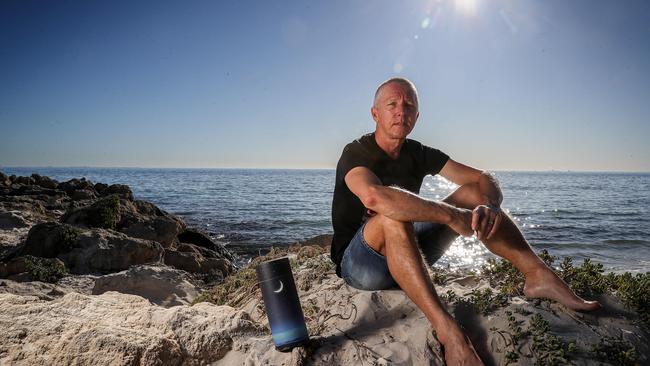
(464, 253)
(444, 183)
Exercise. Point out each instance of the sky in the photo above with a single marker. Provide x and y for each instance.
(503, 85)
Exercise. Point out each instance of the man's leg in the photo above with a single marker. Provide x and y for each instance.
(396, 241)
(508, 242)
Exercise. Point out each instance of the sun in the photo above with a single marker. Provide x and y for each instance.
(466, 6)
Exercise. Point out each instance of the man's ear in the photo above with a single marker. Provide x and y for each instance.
(417, 115)
(375, 113)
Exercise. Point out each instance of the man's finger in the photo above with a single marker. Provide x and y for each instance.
(483, 226)
(495, 226)
(475, 219)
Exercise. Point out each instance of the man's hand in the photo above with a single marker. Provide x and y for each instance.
(486, 221)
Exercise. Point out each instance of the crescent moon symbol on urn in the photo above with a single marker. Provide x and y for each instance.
(280, 289)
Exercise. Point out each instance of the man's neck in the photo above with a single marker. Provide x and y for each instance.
(392, 147)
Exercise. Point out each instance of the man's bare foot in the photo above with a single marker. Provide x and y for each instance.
(544, 283)
(457, 348)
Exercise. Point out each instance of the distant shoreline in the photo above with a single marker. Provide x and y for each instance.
(308, 169)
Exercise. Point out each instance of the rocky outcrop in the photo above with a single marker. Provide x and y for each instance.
(137, 219)
(4, 180)
(105, 251)
(12, 219)
(49, 239)
(117, 329)
(89, 250)
(99, 228)
(200, 239)
(193, 261)
(161, 285)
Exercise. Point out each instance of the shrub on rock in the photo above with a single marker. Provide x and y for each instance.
(137, 219)
(49, 239)
(35, 269)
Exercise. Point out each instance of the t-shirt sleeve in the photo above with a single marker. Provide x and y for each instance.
(432, 160)
(351, 157)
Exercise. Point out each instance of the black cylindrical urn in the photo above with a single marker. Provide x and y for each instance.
(282, 304)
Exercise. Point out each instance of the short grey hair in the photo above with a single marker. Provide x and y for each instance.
(398, 80)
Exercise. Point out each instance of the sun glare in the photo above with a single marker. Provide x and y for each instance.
(466, 6)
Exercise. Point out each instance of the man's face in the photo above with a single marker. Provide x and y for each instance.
(396, 111)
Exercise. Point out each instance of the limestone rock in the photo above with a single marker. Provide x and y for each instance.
(12, 267)
(83, 194)
(45, 182)
(12, 219)
(121, 190)
(24, 180)
(117, 329)
(74, 184)
(201, 239)
(40, 290)
(105, 251)
(159, 284)
(89, 250)
(162, 229)
(196, 263)
(4, 180)
(100, 187)
(49, 240)
(137, 219)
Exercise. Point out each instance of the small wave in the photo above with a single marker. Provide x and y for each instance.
(186, 213)
(609, 246)
(564, 245)
(627, 242)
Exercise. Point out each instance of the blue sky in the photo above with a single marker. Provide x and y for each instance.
(504, 85)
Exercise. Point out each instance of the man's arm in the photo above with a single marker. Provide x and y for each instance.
(402, 205)
(486, 218)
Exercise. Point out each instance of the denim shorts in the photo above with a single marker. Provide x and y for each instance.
(365, 269)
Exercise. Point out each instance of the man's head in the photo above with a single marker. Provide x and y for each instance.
(395, 108)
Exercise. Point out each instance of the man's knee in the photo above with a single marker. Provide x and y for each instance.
(466, 196)
(379, 227)
(395, 225)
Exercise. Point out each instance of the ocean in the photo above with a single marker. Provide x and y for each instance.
(601, 216)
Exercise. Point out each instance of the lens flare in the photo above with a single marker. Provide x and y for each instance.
(466, 6)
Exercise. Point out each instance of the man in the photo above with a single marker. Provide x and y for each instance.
(381, 224)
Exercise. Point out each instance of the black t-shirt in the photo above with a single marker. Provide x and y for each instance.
(414, 163)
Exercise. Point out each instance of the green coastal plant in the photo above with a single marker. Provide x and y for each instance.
(485, 301)
(106, 212)
(67, 239)
(439, 276)
(548, 349)
(503, 275)
(233, 290)
(315, 270)
(44, 269)
(240, 286)
(511, 338)
(616, 351)
(588, 280)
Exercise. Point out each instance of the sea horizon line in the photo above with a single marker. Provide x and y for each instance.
(302, 168)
